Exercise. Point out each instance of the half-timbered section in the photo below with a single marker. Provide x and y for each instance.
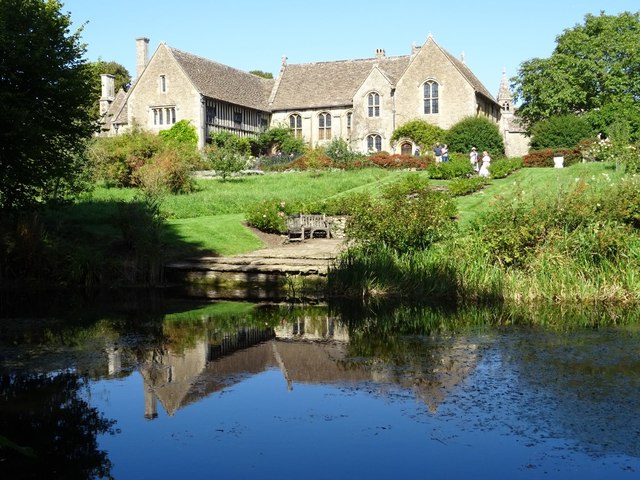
(361, 101)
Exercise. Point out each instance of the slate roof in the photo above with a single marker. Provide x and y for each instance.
(225, 83)
(469, 75)
(328, 84)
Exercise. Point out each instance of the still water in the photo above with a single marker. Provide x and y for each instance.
(153, 387)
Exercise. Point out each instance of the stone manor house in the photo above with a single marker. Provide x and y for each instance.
(362, 101)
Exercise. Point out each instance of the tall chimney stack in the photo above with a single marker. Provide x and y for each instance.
(107, 83)
(142, 55)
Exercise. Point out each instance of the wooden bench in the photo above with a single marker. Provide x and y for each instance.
(303, 226)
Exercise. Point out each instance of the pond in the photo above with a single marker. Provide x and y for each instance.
(150, 386)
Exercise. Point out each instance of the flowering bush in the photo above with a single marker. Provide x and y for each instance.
(544, 158)
(268, 216)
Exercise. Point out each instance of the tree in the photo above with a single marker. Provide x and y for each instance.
(122, 79)
(477, 132)
(45, 93)
(593, 65)
(562, 131)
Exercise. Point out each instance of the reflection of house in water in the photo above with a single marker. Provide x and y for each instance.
(307, 351)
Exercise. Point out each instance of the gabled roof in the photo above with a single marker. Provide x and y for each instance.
(328, 84)
(468, 74)
(225, 83)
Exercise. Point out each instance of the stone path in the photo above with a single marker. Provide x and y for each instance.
(311, 257)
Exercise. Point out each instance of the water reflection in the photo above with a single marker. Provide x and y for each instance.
(558, 382)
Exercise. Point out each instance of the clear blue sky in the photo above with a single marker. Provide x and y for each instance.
(255, 34)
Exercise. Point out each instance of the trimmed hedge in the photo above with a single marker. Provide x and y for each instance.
(544, 158)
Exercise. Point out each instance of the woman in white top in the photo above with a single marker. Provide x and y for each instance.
(486, 161)
(473, 158)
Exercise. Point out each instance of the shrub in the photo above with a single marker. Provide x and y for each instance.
(167, 171)
(419, 132)
(464, 186)
(505, 166)
(562, 131)
(117, 158)
(340, 153)
(409, 216)
(544, 158)
(477, 132)
(268, 216)
(229, 142)
(456, 168)
(182, 132)
(225, 160)
(279, 139)
(395, 161)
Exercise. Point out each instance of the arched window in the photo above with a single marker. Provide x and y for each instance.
(295, 124)
(349, 123)
(373, 103)
(431, 97)
(324, 126)
(374, 142)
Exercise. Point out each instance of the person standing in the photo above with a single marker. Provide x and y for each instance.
(486, 162)
(437, 152)
(445, 153)
(473, 158)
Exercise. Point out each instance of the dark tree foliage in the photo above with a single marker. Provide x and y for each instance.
(45, 93)
(48, 430)
(593, 65)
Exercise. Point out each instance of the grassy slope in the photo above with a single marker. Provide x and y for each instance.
(211, 219)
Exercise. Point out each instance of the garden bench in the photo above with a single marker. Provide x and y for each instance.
(302, 226)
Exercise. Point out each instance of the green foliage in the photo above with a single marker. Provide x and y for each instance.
(544, 158)
(117, 158)
(279, 139)
(420, 132)
(505, 166)
(456, 168)
(140, 158)
(122, 80)
(464, 186)
(269, 216)
(479, 132)
(560, 131)
(604, 118)
(231, 143)
(409, 216)
(225, 161)
(260, 73)
(182, 132)
(592, 66)
(46, 97)
(340, 153)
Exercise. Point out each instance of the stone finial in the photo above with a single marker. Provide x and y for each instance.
(284, 60)
(462, 56)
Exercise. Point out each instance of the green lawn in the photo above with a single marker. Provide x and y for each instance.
(211, 219)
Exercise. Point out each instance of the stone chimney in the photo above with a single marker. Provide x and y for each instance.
(380, 52)
(107, 82)
(142, 55)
